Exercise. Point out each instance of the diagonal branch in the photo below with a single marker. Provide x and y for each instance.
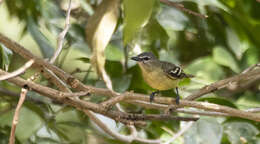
(19, 71)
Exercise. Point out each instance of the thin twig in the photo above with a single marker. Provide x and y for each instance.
(182, 8)
(19, 71)
(253, 110)
(62, 35)
(163, 107)
(251, 68)
(16, 115)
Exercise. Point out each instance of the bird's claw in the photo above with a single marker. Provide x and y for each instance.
(152, 96)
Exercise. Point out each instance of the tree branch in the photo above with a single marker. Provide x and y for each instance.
(66, 98)
(19, 71)
(62, 35)
(143, 100)
(16, 115)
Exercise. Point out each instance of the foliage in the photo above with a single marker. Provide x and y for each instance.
(214, 48)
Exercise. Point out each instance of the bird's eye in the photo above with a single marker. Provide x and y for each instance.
(146, 58)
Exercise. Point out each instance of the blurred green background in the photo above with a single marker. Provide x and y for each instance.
(213, 48)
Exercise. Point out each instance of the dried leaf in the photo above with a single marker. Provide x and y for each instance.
(99, 31)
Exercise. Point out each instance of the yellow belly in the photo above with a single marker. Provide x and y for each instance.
(158, 80)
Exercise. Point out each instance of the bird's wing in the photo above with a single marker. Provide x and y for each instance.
(173, 71)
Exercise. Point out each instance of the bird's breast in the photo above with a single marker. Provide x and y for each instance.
(157, 79)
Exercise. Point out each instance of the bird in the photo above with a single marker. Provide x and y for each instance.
(160, 75)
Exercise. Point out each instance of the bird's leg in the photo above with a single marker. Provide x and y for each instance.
(152, 95)
(171, 107)
(178, 96)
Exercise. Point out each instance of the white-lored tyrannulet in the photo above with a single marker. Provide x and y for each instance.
(160, 75)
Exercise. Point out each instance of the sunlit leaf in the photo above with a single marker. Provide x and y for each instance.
(99, 30)
(137, 14)
(236, 45)
(110, 123)
(206, 69)
(113, 53)
(204, 131)
(44, 132)
(172, 19)
(241, 132)
(223, 57)
(44, 44)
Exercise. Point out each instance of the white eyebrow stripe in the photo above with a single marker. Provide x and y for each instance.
(144, 57)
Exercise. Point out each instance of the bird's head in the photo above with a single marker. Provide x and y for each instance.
(144, 57)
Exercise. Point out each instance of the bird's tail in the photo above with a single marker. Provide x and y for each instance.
(183, 75)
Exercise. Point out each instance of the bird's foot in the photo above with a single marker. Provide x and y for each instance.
(152, 96)
(177, 100)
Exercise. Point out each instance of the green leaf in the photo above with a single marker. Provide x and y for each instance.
(121, 84)
(29, 123)
(83, 59)
(206, 69)
(137, 13)
(223, 57)
(46, 133)
(5, 56)
(249, 99)
(44, 44)
(172, 19)
(113, 53)
(153, 32)
(204, 131)
(252, 56)
(73, 134)
(67, 115)
(240, 131)
(237, 46)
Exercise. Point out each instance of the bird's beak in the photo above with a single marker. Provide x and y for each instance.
(136, 58)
